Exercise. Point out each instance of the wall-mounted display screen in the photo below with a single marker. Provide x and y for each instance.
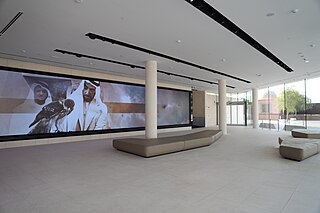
(33, 103)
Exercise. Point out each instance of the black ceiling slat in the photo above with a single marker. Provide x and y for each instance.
(225, 22)
(11, 23)
(80, 55)
(131, 46)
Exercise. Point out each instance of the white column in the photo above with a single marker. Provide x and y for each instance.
(222, 106)
(255, 111)
(151, 99)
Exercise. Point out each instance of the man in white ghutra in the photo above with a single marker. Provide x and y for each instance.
(89, 113)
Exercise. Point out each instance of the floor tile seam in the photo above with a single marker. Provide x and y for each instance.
(287, 202)
(214, 194)
(238, 202)
(19, 201)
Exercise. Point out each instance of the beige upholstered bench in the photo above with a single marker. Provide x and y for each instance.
(305, 133)
(282, 138)
(289, 138)
(298, 148)
(159, 146)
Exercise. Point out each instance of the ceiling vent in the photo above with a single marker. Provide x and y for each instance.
(11, 23)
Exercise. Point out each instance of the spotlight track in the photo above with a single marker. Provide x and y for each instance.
(80, 55)
(11, 23)
(214, 14)
(141, 49)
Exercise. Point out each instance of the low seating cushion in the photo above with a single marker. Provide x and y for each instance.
(203, 138)
(298, 150)
(289, 139)
(153, 147)
(305, 133)
(149, 147)
(282, 138)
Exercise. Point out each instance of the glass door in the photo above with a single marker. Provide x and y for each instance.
(236, 113)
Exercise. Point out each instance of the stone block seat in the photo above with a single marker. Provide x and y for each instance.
(164, 145)
(305, 133)
(302, 144)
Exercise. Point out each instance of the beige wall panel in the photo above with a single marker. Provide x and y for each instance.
(198, 103)
(33, 66)
(3, 62)
(15, 63)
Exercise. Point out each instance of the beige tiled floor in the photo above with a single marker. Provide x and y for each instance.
(240, 173)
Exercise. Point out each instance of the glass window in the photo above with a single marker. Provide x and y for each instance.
(276, 107)
(313, 103)
(294, 105)
(241, 118)
(234, 114)
(263, 108)
(228, 111)
(249, 107)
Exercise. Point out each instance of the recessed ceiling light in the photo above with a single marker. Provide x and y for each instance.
(23, 51)
(294, 11)
(312, 45)
(223, 60)
(306, 60)
(178, 41)
(90, 63)
(270, 14)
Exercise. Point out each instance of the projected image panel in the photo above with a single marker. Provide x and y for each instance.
(125, 104)
(33, 104)
(173, 107)
(49, 104)
(23, 96)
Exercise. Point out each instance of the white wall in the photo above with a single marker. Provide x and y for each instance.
(210, 110)
(84, 73)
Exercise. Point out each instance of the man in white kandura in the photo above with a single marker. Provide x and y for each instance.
(89, 113)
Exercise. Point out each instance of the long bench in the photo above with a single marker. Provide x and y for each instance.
(159, 146)
(301, 145)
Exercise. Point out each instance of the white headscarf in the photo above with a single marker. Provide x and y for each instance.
(29, 105)
(25, 113)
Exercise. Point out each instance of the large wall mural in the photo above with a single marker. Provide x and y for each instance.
(33, 103)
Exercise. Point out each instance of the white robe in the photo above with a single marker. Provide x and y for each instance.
(87, 116)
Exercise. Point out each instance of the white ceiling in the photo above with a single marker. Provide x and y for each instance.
(157, 25)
